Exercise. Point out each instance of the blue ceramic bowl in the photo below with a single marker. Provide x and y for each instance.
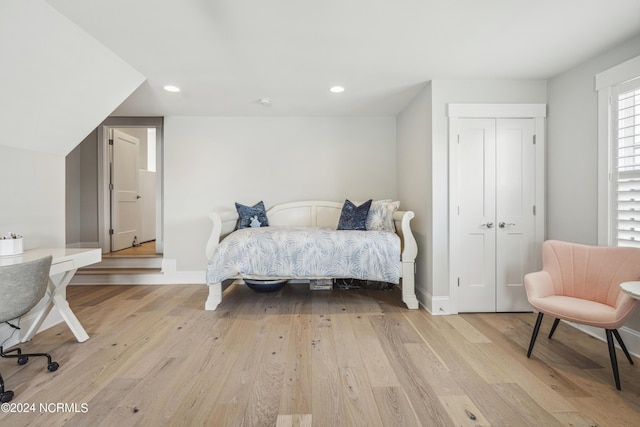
(265, 285)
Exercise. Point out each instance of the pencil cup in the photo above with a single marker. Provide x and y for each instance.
(10, 247)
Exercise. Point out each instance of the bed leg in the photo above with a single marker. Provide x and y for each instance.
(215, 296)
(408, 286)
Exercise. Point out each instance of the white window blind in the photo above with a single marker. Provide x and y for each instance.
(626, 161)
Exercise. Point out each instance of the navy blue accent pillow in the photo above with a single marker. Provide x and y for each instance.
(354, 217)
(252, 216)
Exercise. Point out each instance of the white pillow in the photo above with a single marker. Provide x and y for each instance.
(380, 216)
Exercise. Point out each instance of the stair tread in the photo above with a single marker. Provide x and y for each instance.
(119, 271)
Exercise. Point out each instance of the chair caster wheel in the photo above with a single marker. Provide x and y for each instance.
(53, 366)
(6, 396)
(22, 360)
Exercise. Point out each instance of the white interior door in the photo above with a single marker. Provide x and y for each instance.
(515, 201)
(124, 190)
(495, 192)
(476, 208)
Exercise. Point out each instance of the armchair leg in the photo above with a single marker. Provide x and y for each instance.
(536, 329)
(5, 395)
(624, 347)
(612, 355)
(553, 328)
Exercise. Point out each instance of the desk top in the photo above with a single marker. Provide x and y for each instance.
(632, 288)
(76, 258)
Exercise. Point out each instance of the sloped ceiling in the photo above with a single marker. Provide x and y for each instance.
(226, 54)
(57, 83)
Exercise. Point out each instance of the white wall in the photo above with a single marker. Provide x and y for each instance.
(573, 146)
(73, 195)
(56, 81)
(414, 143)
(81, 193)
(32, 197)
(212, 162)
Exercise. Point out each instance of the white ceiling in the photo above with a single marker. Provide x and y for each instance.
(226, 54)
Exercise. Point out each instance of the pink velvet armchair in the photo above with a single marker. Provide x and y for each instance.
(581, 284)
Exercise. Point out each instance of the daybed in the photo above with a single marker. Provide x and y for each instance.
(314, 220)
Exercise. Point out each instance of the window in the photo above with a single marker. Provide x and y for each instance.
(625, 180)
(619, 154)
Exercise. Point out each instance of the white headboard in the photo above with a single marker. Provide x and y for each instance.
(306, 214)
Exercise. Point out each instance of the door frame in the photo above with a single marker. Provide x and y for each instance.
(104, 205)
(538, 112)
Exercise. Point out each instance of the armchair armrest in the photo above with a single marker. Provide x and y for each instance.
(538, 284)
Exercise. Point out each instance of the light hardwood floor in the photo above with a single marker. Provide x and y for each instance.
(302, 358)
(144, 250)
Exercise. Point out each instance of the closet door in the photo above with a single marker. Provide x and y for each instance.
(476, 174)
(494, 185)
(515, 201)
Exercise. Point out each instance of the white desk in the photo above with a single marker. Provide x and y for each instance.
(64, 265)
(632, 288)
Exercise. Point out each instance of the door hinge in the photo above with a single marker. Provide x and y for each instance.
(458, 138)
(111, 232)
(534, 140)
(110, 187)
(111, 142)
(534, 210)
(458, 282)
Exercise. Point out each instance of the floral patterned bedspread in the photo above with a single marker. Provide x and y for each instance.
(306, 252)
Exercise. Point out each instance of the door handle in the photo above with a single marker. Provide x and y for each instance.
(503, 224)
(488, 225)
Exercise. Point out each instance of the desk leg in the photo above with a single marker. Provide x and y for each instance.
(72, 321)
(55, 295)
(40, 317)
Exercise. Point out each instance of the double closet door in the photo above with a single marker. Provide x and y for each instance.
(494, 212)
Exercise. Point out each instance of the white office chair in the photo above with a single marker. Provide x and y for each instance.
(22, 286)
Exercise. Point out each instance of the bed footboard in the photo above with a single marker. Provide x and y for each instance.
(409, 251)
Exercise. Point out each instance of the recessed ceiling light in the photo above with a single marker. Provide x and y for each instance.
(336, 89)
(171, 88)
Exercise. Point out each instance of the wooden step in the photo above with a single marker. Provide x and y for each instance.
(126, 263)
(83, 271)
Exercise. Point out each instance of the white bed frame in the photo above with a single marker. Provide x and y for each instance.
(316, 214)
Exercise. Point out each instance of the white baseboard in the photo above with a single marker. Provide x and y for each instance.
(631, 337)
(436, 306)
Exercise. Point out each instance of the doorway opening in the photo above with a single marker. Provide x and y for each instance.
(130, 187)
(90, 185)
